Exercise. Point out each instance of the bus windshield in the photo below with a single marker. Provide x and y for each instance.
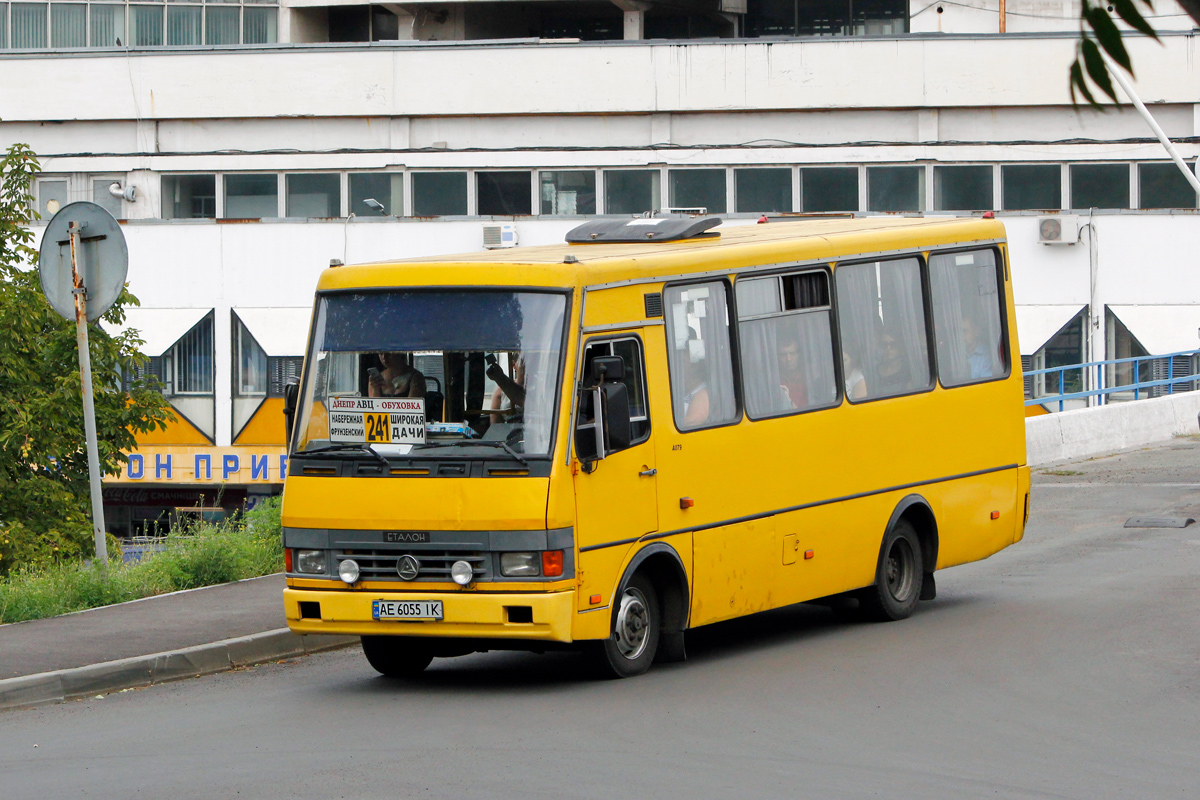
(417, 373)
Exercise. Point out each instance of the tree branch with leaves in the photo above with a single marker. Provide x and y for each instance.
(44, 506)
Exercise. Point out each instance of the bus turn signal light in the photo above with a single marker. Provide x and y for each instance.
(552, 563)
(686, 502)
(809, 553)
(995, 515)
(594, 599)
(287, 559)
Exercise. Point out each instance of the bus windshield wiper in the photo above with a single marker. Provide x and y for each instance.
(345, 447)
(478, 443)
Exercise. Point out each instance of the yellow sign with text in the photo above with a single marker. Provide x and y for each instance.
(192, 465)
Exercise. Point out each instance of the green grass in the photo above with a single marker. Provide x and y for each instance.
(198, 555)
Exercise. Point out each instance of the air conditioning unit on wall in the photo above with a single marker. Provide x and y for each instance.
(1059, 229)
(498, 235)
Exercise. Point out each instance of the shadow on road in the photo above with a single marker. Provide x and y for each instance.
(737, 638)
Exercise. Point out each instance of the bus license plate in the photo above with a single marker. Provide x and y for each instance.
(406, 609)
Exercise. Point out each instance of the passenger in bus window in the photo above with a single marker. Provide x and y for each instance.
(856, 384)
(978, 357)
(892, 370)
(398, 379)
(791, 374)
(509, 394)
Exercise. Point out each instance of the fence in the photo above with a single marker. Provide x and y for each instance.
(1115, 379)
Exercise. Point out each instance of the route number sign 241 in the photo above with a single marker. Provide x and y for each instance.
(377, 420)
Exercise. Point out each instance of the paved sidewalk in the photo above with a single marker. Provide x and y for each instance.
(148, 641)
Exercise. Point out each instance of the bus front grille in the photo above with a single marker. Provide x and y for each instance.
(382, 565)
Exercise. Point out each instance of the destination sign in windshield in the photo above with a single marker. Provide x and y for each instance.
(377, 420)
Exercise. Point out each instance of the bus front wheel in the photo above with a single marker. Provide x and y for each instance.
(637, 623)
(397, 656)
(897, 577)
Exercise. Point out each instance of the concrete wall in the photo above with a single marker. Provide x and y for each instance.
(1098, 431)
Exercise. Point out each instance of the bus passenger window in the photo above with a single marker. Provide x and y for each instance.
(699, 356)
(785, 335)
(630, 351)
(881, 313)
(966, 317)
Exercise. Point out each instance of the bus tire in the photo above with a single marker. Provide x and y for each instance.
(637, 625)
(397, 656)
(898, 576)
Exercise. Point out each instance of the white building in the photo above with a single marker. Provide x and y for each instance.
(254, 143)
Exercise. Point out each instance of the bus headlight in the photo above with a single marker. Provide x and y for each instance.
(520, 565)
(348, 570)
(310, 561)
(461, 572)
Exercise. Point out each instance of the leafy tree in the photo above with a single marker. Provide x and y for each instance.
(44, 501)
(1099, 31)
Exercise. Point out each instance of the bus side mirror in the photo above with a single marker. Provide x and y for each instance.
(607, 368)
(291, 392)
(617, 427)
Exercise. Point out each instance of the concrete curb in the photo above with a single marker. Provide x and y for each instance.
(45, 688)
(1088, 432)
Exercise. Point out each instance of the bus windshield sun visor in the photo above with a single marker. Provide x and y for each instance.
(642, 229)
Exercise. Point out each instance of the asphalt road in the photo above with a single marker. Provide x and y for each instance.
(1067, 666)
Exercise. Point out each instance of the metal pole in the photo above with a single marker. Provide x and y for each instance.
(1119, 75)
(89, 408)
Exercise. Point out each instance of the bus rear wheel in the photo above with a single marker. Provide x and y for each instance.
(637, 624)
(898, 576)
(397, 656)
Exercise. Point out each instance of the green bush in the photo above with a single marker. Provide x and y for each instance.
(201, 554)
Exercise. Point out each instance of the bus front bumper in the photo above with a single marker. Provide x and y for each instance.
(470, 616)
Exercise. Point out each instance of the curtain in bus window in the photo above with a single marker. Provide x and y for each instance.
(884, 349)
(966, 317)
(700, 359)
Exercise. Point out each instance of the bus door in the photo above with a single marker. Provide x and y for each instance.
(617, 500)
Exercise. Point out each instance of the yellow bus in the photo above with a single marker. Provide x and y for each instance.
(651, 427)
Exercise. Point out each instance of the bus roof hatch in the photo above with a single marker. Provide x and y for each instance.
(642, 229)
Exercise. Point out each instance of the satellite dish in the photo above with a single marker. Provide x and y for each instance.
(101, 257)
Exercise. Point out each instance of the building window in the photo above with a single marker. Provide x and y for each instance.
(567, 193)
(385, 189)
(761, 190)
(222, 25)
(184, 25)
(192, 359)
(107, 25)
(262, 26)
(3, 26)
(189, 196)
(439, 194)
(895, 188)
(963, 188)
(1164, 186)
(315, 195)
(881, 312)
(503, 194)
(824, 189)
(631, 191)
(102, 197)
(1028, 187)
(699, 356)
(785, 332)
(29, 26)
(51, 196)
(251, 196)
(251, 364)
(698, 188)
(68, 25)
(145, 26)
(826, 17)
(1099, 186)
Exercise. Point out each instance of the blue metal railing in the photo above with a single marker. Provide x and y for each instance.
(1095, 374)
